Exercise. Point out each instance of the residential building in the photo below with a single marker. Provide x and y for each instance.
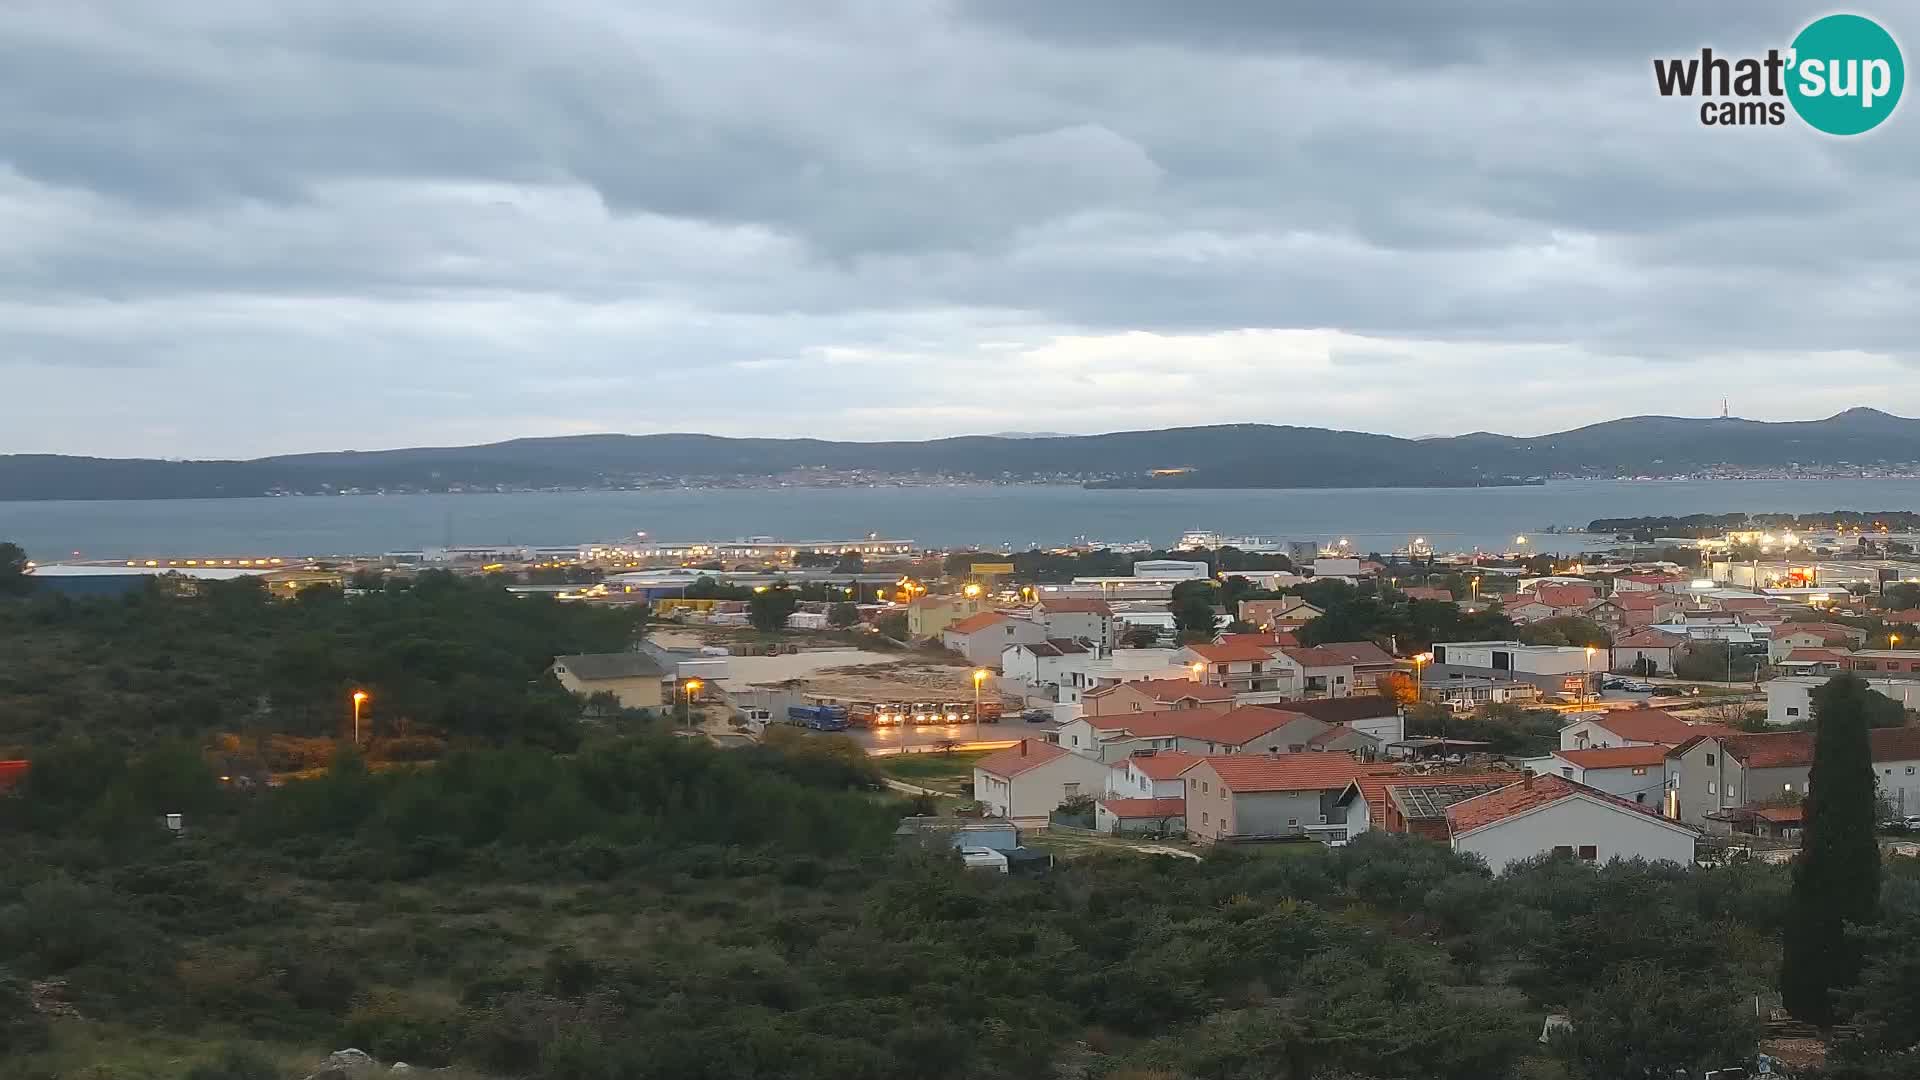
(635, 678)
(1077, 619)
(1790, 636)
(1630, 583)
(1090, 671)
(1285, 613)
(982, 638)
(1043, 664)
(1827, 662)
(1031, 779)
(1790, 697)
(1241, 667)
(1648, 651)
(1896, 764)
(1154, 695)
(1628, 611)
(1249, 796)
(1341, 568)
(928, 616)
(1467, 694)
(1251, 729)
(1718, 772)
(1375, 715)
(1637, 774)
(1367, 661)
(1320, 671)
(1884, 663)
(1146, 817)
(1422, 592)
(1541, 815)
(1526, 608)
(1150, 774)
(1411, 803)
(1632, 727)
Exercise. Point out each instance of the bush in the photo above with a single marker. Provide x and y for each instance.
(22, 1028)
(236, 1063)
(396, 1026)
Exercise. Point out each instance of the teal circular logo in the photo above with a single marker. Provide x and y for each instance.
(1846, 74)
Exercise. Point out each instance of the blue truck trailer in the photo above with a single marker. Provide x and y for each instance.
(819, 717)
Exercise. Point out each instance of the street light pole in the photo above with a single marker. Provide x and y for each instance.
(979, 676)
(359, 699)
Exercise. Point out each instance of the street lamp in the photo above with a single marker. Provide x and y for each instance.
(1420, 662)
(979, 676)
(1198, 670)
(1587, 686)
(972, 590)
(692, 687)
(359, 698)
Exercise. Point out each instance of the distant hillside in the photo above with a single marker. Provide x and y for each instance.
(1224, 456)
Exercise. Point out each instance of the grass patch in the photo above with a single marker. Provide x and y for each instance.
(944, 771)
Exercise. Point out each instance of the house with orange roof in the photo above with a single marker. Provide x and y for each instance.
(1412, 803)
(1078, 619)
(1153, 695)
(1322, 671)
(1031, 779)
(1627, 611)
(1148, 817)
(1150, 774)
(1632, 727)
(982, 638)
(1647, 651)
(1630, 583)
(1241, 666)
(929, 615)
(1267, 796)
(1790, 636)
(1637, 774)
(1285, 613)
(1250, 729)
(1527, 608)
(1423, 592)
(1552, 815)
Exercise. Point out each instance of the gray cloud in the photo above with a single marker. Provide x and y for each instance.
(732, 214)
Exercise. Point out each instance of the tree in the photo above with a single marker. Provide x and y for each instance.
(850, 563)
(1566, 630)
(1399, 686)
(1140, 637)
(13, 570)
(1836, 880)
(893, 624)
(769, 607)
(1193, 615)
(843, 614)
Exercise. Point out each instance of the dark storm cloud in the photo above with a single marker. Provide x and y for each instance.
(583, 215)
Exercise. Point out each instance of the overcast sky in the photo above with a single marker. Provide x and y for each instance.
(240, 227)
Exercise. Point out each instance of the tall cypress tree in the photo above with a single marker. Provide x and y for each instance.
(1836, 880)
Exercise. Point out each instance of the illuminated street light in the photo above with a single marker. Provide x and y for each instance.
(979, 676)
(360, 697)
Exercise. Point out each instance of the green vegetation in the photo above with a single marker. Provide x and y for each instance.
(657, 908)
(445, 660)
(945, 771)
(1352, 614)
(1836, 881)
(1566, 630)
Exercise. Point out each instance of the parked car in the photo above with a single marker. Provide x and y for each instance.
(1036, 716)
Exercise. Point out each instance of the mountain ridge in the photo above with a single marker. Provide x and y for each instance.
(1240, 455)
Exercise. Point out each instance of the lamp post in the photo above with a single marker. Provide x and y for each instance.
(1587, 680)
(1420, 661)
(359, 698)
(692, 687)
(979, 676)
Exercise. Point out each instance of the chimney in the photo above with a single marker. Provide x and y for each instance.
(1023, 748)
(1528, 782)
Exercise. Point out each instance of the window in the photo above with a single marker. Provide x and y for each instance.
(1793, 710)
(1640, 797)
(1566, 771)
(1909, 770)
(1223, 793)
(1136, 708)
(1786, 787)
(1589, 853)
(1709, 759)
(1203, 787)
(1293, 823)
(1639, 770)
(1711, 789)
(1203, 817)
(1562, 849)
(1070, 790)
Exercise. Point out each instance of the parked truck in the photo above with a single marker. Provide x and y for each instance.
(818, 717)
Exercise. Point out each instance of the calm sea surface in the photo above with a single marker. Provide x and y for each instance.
(1372, 518)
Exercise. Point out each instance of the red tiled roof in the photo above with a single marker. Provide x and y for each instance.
(1014, 760)
(1782, 815)
(974, 623)
(1652, 579)
(1615, 757)
(1653, 725)
(1642, 601)
(1770, 750)
(1161, 764)
(1266, 642)
(1422, 592)
(1895, 743)
(1071, 604)
(1566, 596)
(1374, 787)
(1320, 656)
(1237, 652)
(1742, 603)
(1822, 656)
(1236, 726)
(1146, 808)
(1341, 710)
(1357, 652)
(1908, 615)
(1245, 773)
(1530, 794)
(1169, 690)
(1648, 639)
(12, 772)
(1829, 632)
